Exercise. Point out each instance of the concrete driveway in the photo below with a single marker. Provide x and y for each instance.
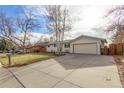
(69, 71)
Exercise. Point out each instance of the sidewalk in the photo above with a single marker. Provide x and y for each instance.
(7, 80)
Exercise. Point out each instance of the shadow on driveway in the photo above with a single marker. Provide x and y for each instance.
(84, 61)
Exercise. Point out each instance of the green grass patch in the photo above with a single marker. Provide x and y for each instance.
(22, 59)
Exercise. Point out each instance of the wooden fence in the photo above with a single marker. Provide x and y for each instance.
(113, 49)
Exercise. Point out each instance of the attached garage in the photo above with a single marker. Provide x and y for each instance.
(86, 45)
(85, 48)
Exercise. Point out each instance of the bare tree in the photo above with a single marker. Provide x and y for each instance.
(7, 29)
(58, 23)
(18, 31)
(116, 25)
(26, 24)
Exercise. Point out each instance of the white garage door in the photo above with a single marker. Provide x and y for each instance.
(85, 48)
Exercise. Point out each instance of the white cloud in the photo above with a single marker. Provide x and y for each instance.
(37, 36)
(34, 37)
(89, 17)
(84, 19)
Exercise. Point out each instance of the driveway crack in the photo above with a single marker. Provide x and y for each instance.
(17, 78)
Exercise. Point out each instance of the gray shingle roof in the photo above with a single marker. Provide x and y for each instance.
(66, 41)
(89, 37)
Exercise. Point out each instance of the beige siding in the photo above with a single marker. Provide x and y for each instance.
(86, 40)
(65, 49)
(51, 48)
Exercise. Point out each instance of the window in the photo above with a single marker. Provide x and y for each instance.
(67, 45)
(54, 45)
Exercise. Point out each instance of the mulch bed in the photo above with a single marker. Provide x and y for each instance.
(120, 66)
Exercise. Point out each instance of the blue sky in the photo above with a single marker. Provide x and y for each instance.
(14, 10)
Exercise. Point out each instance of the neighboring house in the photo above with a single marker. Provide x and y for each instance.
(37, 48)
(82, 45)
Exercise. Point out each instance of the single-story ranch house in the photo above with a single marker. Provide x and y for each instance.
(83, 45)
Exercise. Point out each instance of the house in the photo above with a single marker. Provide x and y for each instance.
(40, 47)
(82, 45)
